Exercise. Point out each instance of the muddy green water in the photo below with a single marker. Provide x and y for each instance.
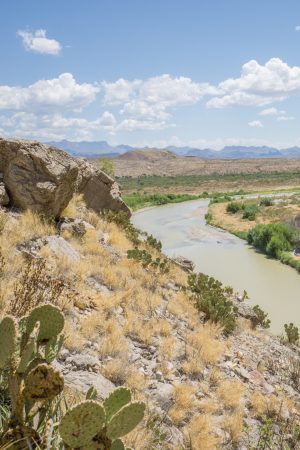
(182, 230)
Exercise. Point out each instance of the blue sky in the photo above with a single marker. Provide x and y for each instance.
(160, 72)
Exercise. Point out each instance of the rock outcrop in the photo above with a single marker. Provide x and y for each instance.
(99, 190)
(43, 179)
(36, 176)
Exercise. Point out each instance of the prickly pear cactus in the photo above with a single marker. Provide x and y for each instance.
(51, 322)
(82, 423)
(125, 420)
(7, 340)
(115, 401)
(43, 383)
(29, 350)
(117, 445)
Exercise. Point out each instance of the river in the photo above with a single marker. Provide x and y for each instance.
(182, 230)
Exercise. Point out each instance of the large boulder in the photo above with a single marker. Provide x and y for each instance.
(99, 190)
(36, 176)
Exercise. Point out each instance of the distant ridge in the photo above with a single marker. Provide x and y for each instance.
(100, 148)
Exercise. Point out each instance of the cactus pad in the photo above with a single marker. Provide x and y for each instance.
(8, 340)
(115, 401)
(51, 321)
(28, 351)
(125, 420)
(43, 383)
(82, 423)
(117, 445)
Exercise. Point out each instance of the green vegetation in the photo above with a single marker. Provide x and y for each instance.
(146, 259)
(138, 200)
(261, 318)
(211, 297)
(164, 182)
(32, 403)
(234, 207)
(266, 201)
(272, 239)
(250, 211)
(107, 166)
(292, 333)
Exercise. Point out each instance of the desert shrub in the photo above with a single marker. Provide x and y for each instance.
(266, 201)
(208, 217)
(107, 166)
(261, 318)
(145, 258)
(154, 242)
(210, 297)
(272, 239)
(250, 211)
(234, 207)
(292, 333)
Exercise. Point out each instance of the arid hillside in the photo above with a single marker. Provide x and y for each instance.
(165, 163)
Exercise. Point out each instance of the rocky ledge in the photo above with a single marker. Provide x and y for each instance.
(44, 179)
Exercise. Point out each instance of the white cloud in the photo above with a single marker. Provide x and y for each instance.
(269, 112)
(285, 118)
(258, 85)
(39, 43)
(297, 28)
(255, 124)
(62, 93)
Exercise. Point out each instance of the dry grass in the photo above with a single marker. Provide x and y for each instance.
(200, 434)
(184, 402)
(230, 393)
(116, 369)
(233, 424)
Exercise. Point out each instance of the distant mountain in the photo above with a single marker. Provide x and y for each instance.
(100, 148)
(91, 148)
(238, 152)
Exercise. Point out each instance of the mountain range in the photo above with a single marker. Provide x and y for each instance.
(102, 148)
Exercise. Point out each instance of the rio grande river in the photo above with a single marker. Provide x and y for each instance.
(182, 230)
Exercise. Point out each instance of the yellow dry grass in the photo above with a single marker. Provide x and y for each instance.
(230, 393)
(200, 433)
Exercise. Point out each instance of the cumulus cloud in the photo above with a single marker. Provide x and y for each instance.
(269, 112)
(297, 28)
(258, 85)
(255, 124)
(62, 93)
(39, 43)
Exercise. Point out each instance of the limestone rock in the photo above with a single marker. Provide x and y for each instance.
(4, 199)
(99, 191)
(184, 263)
(78, 227)
(36, 176)
(81, 380)
(60, 247)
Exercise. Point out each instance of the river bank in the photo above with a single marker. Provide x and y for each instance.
(182, 229)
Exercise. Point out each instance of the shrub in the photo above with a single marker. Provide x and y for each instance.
(208, 217)
(107, 166)
(145, 258)
(234, 207)
(261, 318)
(266, 201)
(250, 212)
(122, 220)
(154, 242)
(292, 333)
(272, 239)
(211, 298)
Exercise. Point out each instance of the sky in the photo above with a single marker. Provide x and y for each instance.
(151, 73)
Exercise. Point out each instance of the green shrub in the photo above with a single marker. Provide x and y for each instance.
(145, 258)
(208, 217)
(154, 242)
(122, 220)
(107, 166)
(292, 333)
(234, 207)
(273, 239)
(261, 318)
(210, 297)
(250, 212)
(266, 201)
